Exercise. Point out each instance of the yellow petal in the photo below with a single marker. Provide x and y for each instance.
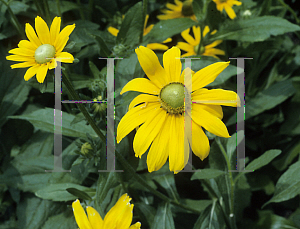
(183, 74)
(80, 216)
(209, 121)
(158, 153)
(230, 12)
(208, 74)
(143, 98)
(63, 34)
(167, 40)
(185, 34)
(215, 110)
(237, 3)
(197, 34)
(157, 46)
(113, 31)
(171, 6)
(27, 45)
(22, 52)
(31, 72)
(54, 29)
(213, 52)
(52, 64)
(60, 46)
(32, 35)
(148, 131)
(177, 156)
(41, 73)
(65, 57)
(120, 215)
(133, 118)
(94, 218)
(217, 97)
(141, 85)
(148, 29)
(206, 30)
(172, 64)
(135, 226)
(185, 47)
(200, 143)
(151, 66)
(20, 58)
(42, 30)
(23, 65)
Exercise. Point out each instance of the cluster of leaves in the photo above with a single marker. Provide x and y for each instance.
(266, 195)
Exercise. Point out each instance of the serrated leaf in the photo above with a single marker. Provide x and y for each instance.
(255, 29)
(43, 119)
(207, 174)
(288, 185)
(263, 160)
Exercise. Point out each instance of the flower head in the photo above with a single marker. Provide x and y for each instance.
(159, 112)
(227, 5)
(192, 45)
(154, 46)
(41, 48)
(179, 10)
(118, 217)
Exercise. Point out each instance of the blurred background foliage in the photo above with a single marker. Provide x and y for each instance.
(267, 31)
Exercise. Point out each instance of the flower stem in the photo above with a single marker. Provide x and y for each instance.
(231, 204)
(15, 21)
(118, 155)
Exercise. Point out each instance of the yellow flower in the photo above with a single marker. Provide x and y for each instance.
(161, 110)
(154, 46)
(179, 10)
(227, 5)
(192, 45)
(118, 217)
(39, 52)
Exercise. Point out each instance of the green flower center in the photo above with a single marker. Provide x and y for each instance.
(223, 1)
(187, 9)
(172, 98)
(44, 53)
(202, 49)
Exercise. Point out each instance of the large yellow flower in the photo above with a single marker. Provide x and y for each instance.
(179, 10)
(160, 111)
(39, 52)
(192, 45)
(118, 217)
(227, 5)
(154, 46)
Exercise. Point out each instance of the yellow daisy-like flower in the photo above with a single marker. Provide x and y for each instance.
(118, 217)
(160, 111)
(179, 10)
(40, 51)
(154, 46)
(227, 5)
(192, 45)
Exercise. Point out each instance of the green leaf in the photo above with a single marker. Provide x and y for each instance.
(64, 6)
(288, 185)
(233, 142)
(167, 28)
(166, 180)
(198, 205)
(58, 192)
(43, 119)
(263, 160)
(64, 220)
(104, 50)
(267, 219)
(206, 174)
(131, 26)
(146, 212)
(242, 196)
(163, 218)
(80, 194)
(255, 29)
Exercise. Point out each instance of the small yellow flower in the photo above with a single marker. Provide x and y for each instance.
(192, 45)
(39, 51)
(160, 111)
(118, 217)
(154, 46)
(179, 10)
(227, 5)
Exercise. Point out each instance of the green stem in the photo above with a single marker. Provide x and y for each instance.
(47, 11)
(231, 205)
(15, 21)
(145, 5)
(118, 155)
(58, 7)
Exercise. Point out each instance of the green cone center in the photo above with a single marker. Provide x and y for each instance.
(187, 9)
(44, 53)
(172, 98)
(202, 49)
